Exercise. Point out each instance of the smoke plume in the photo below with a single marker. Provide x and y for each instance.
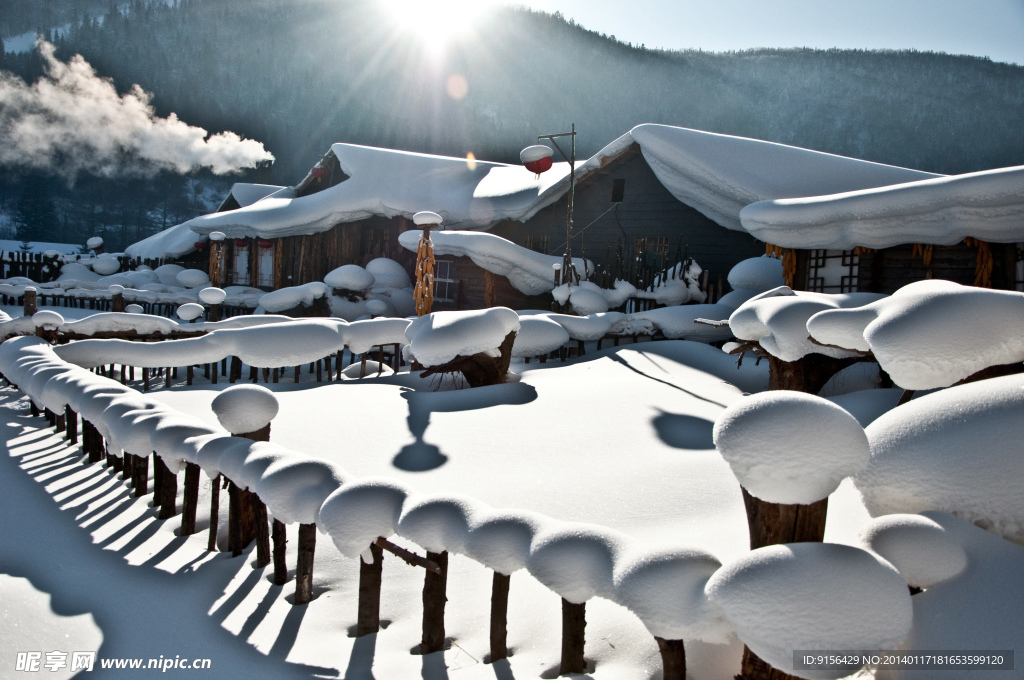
(73, 121)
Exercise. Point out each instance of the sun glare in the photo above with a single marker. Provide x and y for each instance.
(436, 21)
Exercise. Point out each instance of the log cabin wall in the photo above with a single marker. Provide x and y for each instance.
(889, 269)
(644, 209)
(470, 289)
(309, 258)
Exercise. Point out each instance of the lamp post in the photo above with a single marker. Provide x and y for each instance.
(534, 158)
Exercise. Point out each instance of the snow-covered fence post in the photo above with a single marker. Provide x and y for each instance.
(71, 418)
(190, 502)
(304, 564)
(789, 451)
(213, 297)
(211, 543)
(370, 576)
(499, 615)
(165, 488)
(116, 298)
(435, 586)
(217, 257)
(246, 411)
(574, 625)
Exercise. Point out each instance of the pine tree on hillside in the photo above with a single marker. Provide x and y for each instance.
(35, 215)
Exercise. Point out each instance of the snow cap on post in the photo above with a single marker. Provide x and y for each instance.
(47, 320)
(426, 217)
(212, 295)
(193, 278)
(106, 264)
(245, 408)
(577, 561)
(790, 447)
(350, 277)
(217, 236)
(920, 548)
(190, 311)
(115, 289)
(812, 596)
(134, 309)
(94, 243)
(356, 514)
(666, 590)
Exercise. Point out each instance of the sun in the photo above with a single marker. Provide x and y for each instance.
(436, 22)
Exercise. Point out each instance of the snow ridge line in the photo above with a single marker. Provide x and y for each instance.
(663, 586)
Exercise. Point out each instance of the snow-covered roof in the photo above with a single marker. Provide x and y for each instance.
(987, 205)
(247, 194)
(716, 174)
(174, 242)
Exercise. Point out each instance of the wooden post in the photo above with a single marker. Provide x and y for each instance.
(279, 535)
(145, 379)
(775, 523)
(59, 423)
(140, 475)
(574, 623)
(117, 302)
(190, 504)
(304, 564)
(261, 529)
(236, 370)
(71, 418)
(240, 519)
(434, 599)
(211, 544)
(30, 302)
(499, 616)
(189, 374)
(168, 490)
(128, 469)
(673, 658)
(368, 620)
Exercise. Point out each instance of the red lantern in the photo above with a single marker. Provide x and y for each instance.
(539, 166)
(266, 243)
(200, 245)
(241, 243)
(320, 171)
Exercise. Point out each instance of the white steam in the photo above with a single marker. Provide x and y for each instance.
(73, 121)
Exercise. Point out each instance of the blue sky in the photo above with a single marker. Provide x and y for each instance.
(992, 28)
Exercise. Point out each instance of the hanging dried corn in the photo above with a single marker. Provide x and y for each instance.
(788, 266)
(773, 251)
(984, 264)
(423, 293)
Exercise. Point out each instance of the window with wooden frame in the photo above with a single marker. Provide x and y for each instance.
(240, 263)
(265, 263)
(444, 281)
(832, 271)
(653, 245)
(618, 190)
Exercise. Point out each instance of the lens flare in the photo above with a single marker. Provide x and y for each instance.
(471, 161)
(436, 22)
(456, 86)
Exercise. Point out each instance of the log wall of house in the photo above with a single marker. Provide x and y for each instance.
(471, 288)
(309, 258)
(647, 209)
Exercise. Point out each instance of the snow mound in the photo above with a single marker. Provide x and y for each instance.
(680, 322)
(357, 513)
(577, 561)
(245, 408)
(921, 550)
(294, 489)
(294, 296)
(189, 311)
(529, 272)
(956, 451)
(439, 523)
(439, 337)
(812, 596)
(350, 277)
(500, 540)
(361, 336)
(388, 274)
(47, 320)
(777, 319)
(790, 447)
(666, 590)
(757, 273)
(538, 335)
(212, 295)
(192, 278)
(106, 264)
(934, 333)
(373, 369)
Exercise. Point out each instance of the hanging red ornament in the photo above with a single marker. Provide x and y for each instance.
(320, 171)
(200, 245)
(241, 243)
(543, 165)
(266, 243)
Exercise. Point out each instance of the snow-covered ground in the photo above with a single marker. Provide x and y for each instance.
(621, 439)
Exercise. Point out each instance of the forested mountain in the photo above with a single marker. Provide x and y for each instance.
(298, 76)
